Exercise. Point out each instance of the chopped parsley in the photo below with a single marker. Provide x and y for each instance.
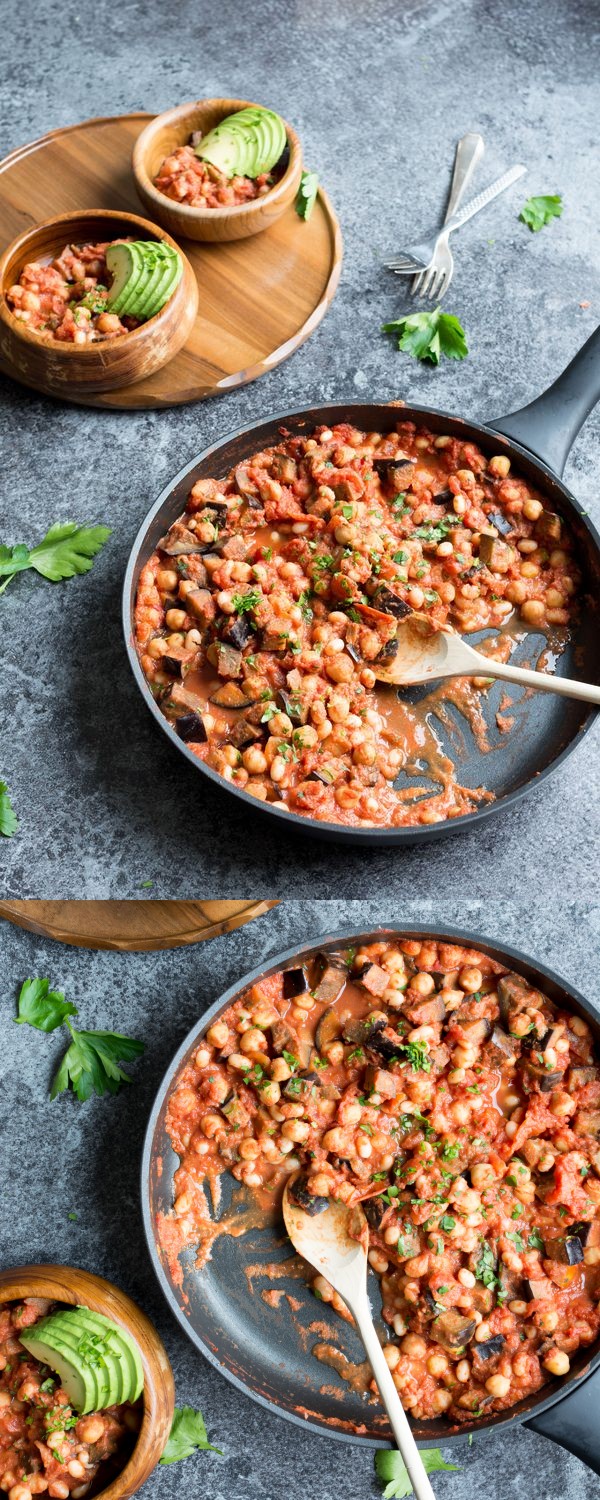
(427, 335)
(537, 212)
(244, 603)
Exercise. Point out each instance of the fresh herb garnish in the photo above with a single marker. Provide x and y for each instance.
(485, 1269)
(391, 1469)
(436, 531)
(243, 603)
(8, 817)
(291, 1061)
(447, 1223)
(450, 1152)
(188, 1434)
(539, 211)
(92, 1063)
(517, 1240)
(307, 194)
(65, 550)
(41, 1007)
(416, 1055)
(426, 335)
(535, 1241)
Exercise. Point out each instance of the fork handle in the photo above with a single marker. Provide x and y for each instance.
(469, 152)
(400, 1425)
(486, 196)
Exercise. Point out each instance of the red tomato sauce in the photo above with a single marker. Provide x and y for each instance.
(67, 297)
(461, 1109)
(264, 611)
(185, 178)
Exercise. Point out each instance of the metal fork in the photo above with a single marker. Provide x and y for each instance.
(420, 256)
(434, 282)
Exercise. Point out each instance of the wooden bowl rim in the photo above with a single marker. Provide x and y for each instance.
(57, 346)
(41, 1279)
(227, 210)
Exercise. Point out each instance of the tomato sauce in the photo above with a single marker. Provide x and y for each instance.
(264, 612)
(460, 1108)
(185, 178)
(67, 297)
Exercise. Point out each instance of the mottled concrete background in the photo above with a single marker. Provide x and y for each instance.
(380, 92)
(66, 1157)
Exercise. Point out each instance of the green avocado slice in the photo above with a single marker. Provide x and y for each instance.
(122, 1340)
(171, 276)
(139, 299)
(142, 282)
(245, 143)
(127, 267)
(78, 1379)
(103, 1359)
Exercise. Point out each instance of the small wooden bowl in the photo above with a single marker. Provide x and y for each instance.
(232, 222)
(68, 1284)
(113, 363)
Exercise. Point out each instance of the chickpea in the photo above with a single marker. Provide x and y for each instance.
(482, 1175)
(253, 1040)
(280, 1071)
(339, 669)
(218, 1034)
(422, 984)
(533, 611)
(378, 1262)
(415, 597)
(499, 466)
(547, 1320)
(463, 1371)
(175, 618)
(391, 1355)
(532, 509)
(466, 1277)
(305, 736)
(280, 725)
(414, 1346)
(441, 1400)
(518, 1308)
(254, 761)
(470, 980)
(437, 1364)
(498, 1385)
(19, 1492)
(557, 1362)
(76, 1469)
(167, 579)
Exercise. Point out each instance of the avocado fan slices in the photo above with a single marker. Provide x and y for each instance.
(97, 1360)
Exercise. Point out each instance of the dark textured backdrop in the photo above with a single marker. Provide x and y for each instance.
(64, 1157)
(380, 91)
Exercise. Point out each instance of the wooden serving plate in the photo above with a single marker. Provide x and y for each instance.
(69, 1284)
(260, 298)
(129, 926)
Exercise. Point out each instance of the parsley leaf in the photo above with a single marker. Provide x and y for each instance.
(91, 1063)
(447, 1223)
(535, 1241)
(188, 1433)
(291, 1060)
(416, 1055)
(42, 1007)
(8, 817)
(517, 1240)
(426, 335)
(245, 602)
(391, 1469)
(65, 550)
(485, 1269)
(307, 194)
(539, 211)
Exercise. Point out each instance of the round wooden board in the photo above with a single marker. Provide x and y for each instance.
(259, 298)
(129, 926)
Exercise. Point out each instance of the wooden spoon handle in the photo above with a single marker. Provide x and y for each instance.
(544, 682)
(391, 1400)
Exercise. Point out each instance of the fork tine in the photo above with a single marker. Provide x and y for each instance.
(416, 284)
(447, 278)
(404, 263)
(428, 279)
(434, 289)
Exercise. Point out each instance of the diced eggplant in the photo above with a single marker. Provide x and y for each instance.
(275, 641)
(576, 1077)
(388, 651)
(244, 733)
(232, 547)
(537, 1286)
(322, 776)
(431, 1307)
(386, 1044)
(299, 1193)
(238, 631)
(444, 497)
(503, 1044)
(565, 1248)
(179, 541)
(282, 1037)
(332, 978)
(390, 603)
(374, 979)
(215, 510)
(425, 1012)
(535, 1072)
(548, 527)
(301, 1084)
(588, 1233)
(283, 466)
(229, 660)
(200, 604)
(514, 994)
(297, 712)
(490, 1348)
(244, 483)
(352, 651)
(453, 1329)
(173, 665)
(295, 982)
(532, 1041)
(190, 728)
(587, 1122)
(361, 1030)
(495, 554)
(230, 695)
(328, 1029)
(374, 1210)
(501, 522)
(394, 472)
(234, 1110)
(381, 1081)
(477, 1032)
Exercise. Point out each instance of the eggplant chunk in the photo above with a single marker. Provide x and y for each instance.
(587, 1122)
(535, 1072)
(502, 1045)
(362, 1030)
(328, 1029)
(490, 1348)
(374, 1210)
(244, 733)
(496, 554)
(548, 528)
(394, 472)
(295, 982)
(500, 521)
(425, 1012)
(390, 603)
(190, 728)
(477, 1032)
(282, 1037)
(514, 994)
(576, 1077)
(312, 1205)
(332, 978)
(179, 541)
(234, 1111)
(301, 1084)
(230, 696)
(567, 1249)
(374, 979)
(291, 706)
(380, 1081)
(538, 1286)
(453, 1329)
(238, 631)
(229, 660)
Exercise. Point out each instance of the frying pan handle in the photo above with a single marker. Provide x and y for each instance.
(573, 1422)
(549, 425)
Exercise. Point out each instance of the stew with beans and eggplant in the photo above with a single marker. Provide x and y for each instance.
(461, 1108)
(264, 610)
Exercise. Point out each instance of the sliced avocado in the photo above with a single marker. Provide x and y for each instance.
(75, 1375)
(108, 1345)
(103, 1360)
(143, 282)
(119, 1337)
(126, 265)
(245, 143)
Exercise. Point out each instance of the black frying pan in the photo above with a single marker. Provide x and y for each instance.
(260, 1349)
(549, 728)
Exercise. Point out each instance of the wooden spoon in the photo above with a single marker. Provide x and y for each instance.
(424, 653)
(336, 1242)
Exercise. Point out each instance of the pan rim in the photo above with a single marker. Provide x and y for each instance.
(445, 932)
(382, 836)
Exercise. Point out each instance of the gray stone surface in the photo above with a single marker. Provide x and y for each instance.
(66, 1157)
(380, 93)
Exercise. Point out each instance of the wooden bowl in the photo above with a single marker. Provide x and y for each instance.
(232, 222)
(68, 1284)
(113, 363)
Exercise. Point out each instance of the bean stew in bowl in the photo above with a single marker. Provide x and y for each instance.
(450, 1089)
(264, 609)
